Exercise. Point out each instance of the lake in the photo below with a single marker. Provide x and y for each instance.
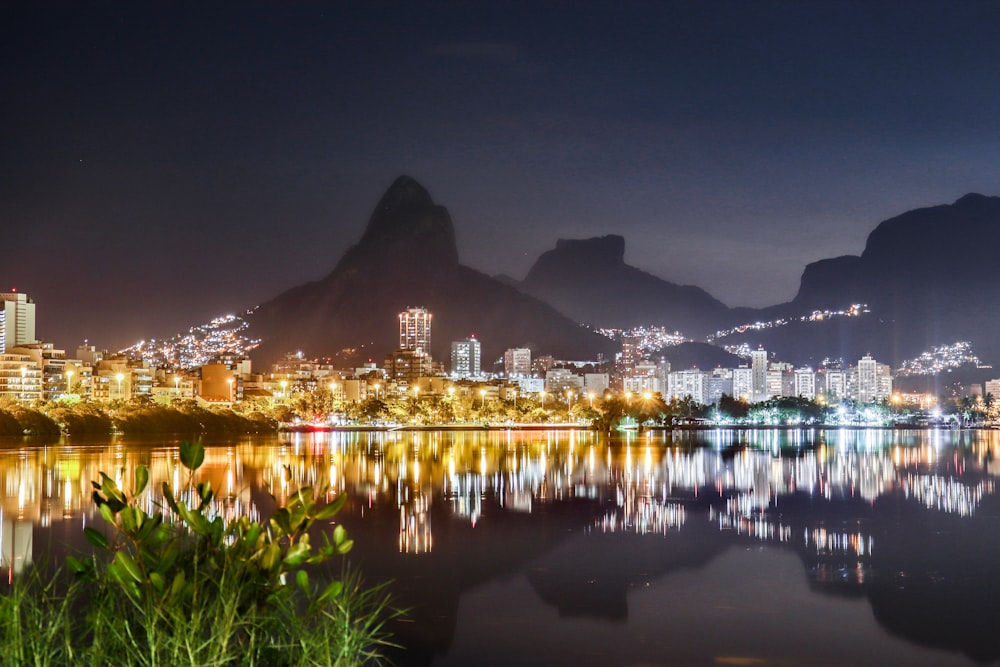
(721, 547)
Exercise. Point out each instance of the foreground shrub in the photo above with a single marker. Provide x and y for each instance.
(180, 585)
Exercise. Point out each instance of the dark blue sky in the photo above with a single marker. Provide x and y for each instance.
(198, 158)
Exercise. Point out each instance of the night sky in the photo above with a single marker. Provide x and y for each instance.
(163, 163)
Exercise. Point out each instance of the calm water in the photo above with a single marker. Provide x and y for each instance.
(703, 548)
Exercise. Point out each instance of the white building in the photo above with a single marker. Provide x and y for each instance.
(805, 382)
(596, 383)
(561, 380)
(415, 330)
(19, 320)
(758, 364)
(466, 358)
(743, 383)
(872, 381)
(689, 384)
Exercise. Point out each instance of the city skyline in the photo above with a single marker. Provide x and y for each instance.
(211, 157)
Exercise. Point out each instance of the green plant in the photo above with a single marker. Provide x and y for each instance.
(180, 585)
(36, 621)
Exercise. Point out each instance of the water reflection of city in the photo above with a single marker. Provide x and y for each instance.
(740, 481)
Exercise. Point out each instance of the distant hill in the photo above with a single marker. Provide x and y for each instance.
(407, 256)
(928, 276)
(589, 280)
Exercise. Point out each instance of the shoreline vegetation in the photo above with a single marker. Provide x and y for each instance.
(319, 411)
(170, 582)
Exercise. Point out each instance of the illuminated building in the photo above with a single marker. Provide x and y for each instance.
(54, 367)
(834, 383)
(465, 358)
(559, 380)
(19, 320)
(719, 383)
(20, 378)
(992, 387)
(596, 383)
(415, 330)
(517, 362)
(407, 366)
(758, 364)
(805, 382)
(691, 384)
(220, 383)
(872, 381)
(743, 382)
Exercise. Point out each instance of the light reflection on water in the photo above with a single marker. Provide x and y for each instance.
(817, 492)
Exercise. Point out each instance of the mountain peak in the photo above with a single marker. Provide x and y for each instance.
(407, 223)
(973, 198)
(600, 250)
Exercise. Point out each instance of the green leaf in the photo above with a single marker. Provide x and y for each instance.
(168, 495)
(149, 525)
(331, 591)
(141, 479)
(205, 492)
(344, 547)
(302, 579)
(339, 535)
(192, 455)
(282, 521)
(126, 562)
(331, 508)
(95, 538)
(297, 554)
(158, 582)
(168, 557)
(108, 515)
(76, 566)
(271, 554)
(177, 586)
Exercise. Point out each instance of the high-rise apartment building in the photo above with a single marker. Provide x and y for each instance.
(743, 383)
(415, 330)
(872, 380)
(805, 383)
(466, 358)
(758, 364)
(19, 320)
(517, 362)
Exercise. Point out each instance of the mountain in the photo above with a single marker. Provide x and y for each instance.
(927, 276)
(589, 280)
(407, 256)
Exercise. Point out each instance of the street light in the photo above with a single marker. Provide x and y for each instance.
(590, 395)
(69, 382)
(119, 377)
(376, 391)
(24, 372)
(542, 394)
(569, 398)
(229, 381)
(284, 387)
(482, 392)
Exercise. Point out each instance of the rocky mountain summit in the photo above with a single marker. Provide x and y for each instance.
(407, 256)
